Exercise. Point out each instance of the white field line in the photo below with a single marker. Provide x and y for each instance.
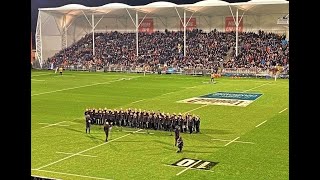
(73, 122)
(43, 177)
(136, 132)
(161, 95)
(283, 110)
(196, 108)
(91, 177)
(77, 87)
(168, 93)
(137, 101)
(85, 150)
(256, 87)
(65, 76)
(41, 74)
(261, 123)
(191, 87)
(52, 124)
(37, 80)
(188, 168)
(232, 141)
(73, 153)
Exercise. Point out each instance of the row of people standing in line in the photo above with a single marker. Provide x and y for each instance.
(144, 119)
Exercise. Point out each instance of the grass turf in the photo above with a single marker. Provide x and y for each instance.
(61, 149)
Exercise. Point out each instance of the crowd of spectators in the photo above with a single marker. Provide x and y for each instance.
(262, 50)
(204, 49)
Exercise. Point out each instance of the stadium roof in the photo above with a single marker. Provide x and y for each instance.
(163, 8)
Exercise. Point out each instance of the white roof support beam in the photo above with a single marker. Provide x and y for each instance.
(134, 23)
(39, 40)
(137, 35)
(86, 18)
(236, 22)
(184, 34)
(93, 46)
(179, 15)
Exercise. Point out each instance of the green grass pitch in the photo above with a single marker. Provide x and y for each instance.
(249, 142)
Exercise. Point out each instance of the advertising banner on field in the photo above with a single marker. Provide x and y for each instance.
(146, 25)
(231, 26)
(224, 98)
(192, 24)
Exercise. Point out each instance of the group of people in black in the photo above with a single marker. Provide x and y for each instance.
(143, 119)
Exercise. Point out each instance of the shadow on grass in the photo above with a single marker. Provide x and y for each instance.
(214, 131)
(203, 146)
(76, 130)
(93, 138)
(189, 151)
(165, 143)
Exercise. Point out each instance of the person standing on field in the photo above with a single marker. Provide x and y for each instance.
(106, 130)
(88, 123)
(180, 144)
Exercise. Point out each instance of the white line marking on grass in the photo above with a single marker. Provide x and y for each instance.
(73, 122)
(168, 93)
(261, 123)
(52, 124)
(191, 87)
(283, 110)
(37, 80)
(257, 87)
(191, 168)
(43, 177)
(145, 132)
(64, 76)
(77, 154)
(137, 101)
(188, 168)
(232, 141)
(77, 87)
(41, 74)
(196, 108)
(136, 132)
(86, 150)
(91, 177)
